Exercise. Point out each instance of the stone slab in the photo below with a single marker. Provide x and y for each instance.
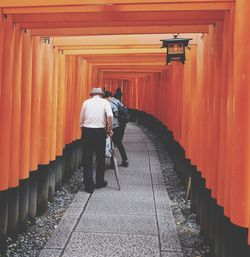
(157, 179)
(127, 192)
(80, 200)
(132, 138)
(152, 150)
(128, 178)
(143, 153)
(171, 254)
(168, 233)
(134, 169)
(142, 180)
(155, 161)
(133, 131)
(139, 178)
(130, 173)
(141, 188)
(151, 147)
(136, 147)
(60, 236)
(138, 158)
(50, 253)
(120, 205)
(162, 201)
(118, 224)
(156, 170)
(154, 158)
(116, 245)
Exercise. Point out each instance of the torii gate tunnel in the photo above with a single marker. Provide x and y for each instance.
(52, 52)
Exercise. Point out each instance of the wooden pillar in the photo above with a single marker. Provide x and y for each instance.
(15, 136)
(6, 90)
(35, 125)
(25, 128)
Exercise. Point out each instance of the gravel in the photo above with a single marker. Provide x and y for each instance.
(33, 240)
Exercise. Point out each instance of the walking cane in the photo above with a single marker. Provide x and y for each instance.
(188, 188)
(115, 164)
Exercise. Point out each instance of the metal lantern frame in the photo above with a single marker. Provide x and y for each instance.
(175, 48)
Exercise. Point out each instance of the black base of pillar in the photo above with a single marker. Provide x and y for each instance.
(79, 153)
(64, 166)
(13, 211)
(42, 189)
(73, 157)
(3, 220)
(58, 175)
(3, 245)
(66, 162)
(236, 241)
(52, 181)
(23, 204)
(33, 195)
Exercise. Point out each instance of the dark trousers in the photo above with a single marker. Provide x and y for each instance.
(117, 139)
(94, 140)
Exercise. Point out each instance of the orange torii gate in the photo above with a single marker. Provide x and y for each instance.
(58, 49)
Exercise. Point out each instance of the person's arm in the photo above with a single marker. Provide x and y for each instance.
(120, 103)
(82, 116)
(110, 125)
(109, 114)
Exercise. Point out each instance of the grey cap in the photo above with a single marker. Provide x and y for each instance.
(96, 91)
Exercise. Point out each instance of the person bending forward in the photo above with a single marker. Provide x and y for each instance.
(118, 129)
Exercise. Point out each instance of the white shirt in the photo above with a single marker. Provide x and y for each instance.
(94, 112)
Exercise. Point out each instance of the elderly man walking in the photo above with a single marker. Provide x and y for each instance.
(96, 122)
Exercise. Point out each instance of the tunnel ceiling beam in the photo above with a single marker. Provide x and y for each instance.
(120, 30)
(91, 47)
(107, 23)
(103, 3)
(114, 51)
(128, 75)
(132, 63)
(132, 67)
(125, 16)
(128, 40)
(222, 6)
(162, 62)
(126, 60)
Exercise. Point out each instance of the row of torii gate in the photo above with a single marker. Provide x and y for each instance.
(52, 52)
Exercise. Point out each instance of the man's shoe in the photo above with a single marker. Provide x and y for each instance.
(104, 184)
(125, 163)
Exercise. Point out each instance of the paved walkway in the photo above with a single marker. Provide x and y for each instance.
(134, 222)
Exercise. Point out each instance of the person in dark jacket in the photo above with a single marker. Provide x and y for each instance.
(118, 130)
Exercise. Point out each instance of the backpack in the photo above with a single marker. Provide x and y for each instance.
(123, 116)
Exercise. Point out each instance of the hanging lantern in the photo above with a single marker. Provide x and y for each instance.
(175, 48)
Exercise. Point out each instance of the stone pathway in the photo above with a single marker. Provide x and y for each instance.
(134, 222)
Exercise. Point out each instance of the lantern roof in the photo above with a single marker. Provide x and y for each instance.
(175, 39)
